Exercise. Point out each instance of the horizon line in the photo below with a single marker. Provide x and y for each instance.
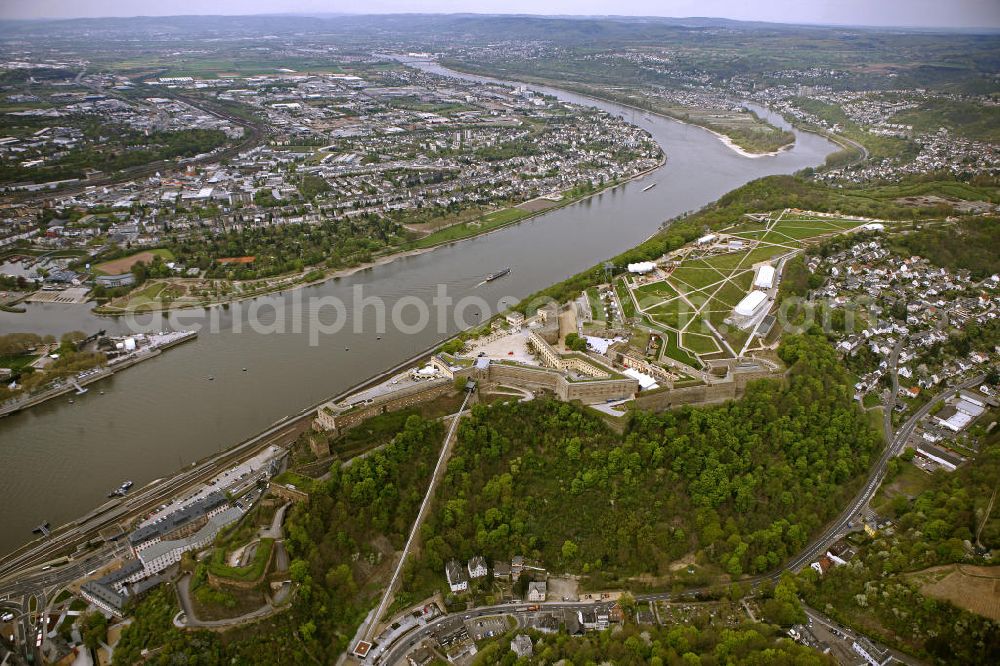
(943, 28)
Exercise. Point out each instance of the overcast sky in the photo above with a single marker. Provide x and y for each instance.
(922, 13)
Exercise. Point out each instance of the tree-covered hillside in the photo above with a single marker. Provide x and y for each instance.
(897, 587)
(746, 644)
(742, 485)
(340, 544)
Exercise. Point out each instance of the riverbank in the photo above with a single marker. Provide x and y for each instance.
(175, 416)
(732, 145)
(106, 310)
(587, 91)
(77, 383)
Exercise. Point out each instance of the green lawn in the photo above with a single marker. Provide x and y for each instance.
(804, 231)
(700, 344)
(17, 362)
(151, 292)
(674, 351)
(596, 304)
(697, 274)
(674, 314)
(486, 223)
(765, 252)
(628, 307)
(656, 290)
(727, 262)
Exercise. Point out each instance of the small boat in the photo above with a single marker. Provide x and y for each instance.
(498, 274)
(649, 187)
(121, 490)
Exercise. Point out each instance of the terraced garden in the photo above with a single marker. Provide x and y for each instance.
(691, 302)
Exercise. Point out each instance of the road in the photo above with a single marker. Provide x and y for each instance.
(253, 133)
(892, 449)
(890, 404)
(395, 653)
(819, 618)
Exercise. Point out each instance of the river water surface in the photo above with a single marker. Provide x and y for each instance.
(59, 460)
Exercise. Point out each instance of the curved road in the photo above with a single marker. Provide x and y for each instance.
(396, 652)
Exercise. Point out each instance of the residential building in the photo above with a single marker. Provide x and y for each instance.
(458, 581)
(477, 567)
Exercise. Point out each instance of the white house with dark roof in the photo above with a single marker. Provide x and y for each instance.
(458, 581)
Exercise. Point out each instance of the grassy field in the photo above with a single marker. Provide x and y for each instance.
(628, 307)
(975, 589)
(15, 363)
(125, 264)
(676, 313)
(486, 223)
(596, 304)
(700, 344)
(697, 274)
(674, 350)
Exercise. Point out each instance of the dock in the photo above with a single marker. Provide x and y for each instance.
(77, 383)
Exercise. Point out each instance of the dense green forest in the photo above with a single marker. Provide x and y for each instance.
(877, 591)
(338, 545)
(970, 243)
(284, 248)
(680, 645)
(743, 484)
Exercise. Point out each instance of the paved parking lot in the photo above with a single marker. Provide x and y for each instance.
(502, 348)
(486, 627)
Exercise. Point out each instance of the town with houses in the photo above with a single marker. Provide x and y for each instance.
(253, 183)
(695, 92)
(397, 156)
(911, 307)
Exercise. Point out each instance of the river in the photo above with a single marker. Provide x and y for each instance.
(59, 460)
